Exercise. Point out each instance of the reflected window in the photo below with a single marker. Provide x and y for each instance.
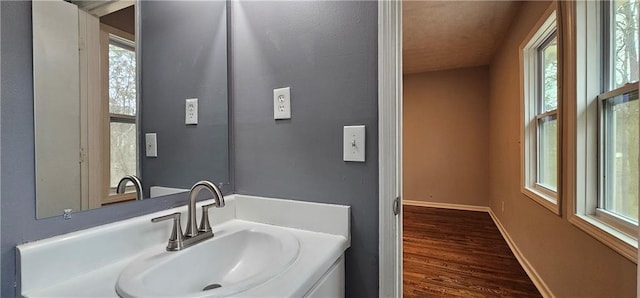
(123, 137)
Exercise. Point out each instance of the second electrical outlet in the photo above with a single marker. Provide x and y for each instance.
(191, 111)
(282, 103)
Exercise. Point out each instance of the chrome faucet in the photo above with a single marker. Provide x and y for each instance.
(136, 183)
(218, 198)
(193, 234)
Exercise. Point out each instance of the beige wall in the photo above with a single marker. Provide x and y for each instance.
(445, 131)
(570, 262)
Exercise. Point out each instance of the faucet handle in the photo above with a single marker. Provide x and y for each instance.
(176, 239)
(205, 226)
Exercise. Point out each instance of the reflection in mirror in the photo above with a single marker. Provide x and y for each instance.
(97, 94)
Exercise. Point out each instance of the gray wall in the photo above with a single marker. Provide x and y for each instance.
(0, 144)
(327, 53)
(17, 209)
(184, 55)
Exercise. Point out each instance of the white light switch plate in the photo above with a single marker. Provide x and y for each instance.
(191, 111)
(151, 144)
(354, 145)
(282, 103)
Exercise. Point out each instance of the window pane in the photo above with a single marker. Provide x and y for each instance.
(621, 155)
(624, 43)
(548, 152)
(124, 151)
(122, 80)
(549, 64)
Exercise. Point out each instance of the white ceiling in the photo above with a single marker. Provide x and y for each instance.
(440, 35)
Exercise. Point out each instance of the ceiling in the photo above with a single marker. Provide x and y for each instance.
(440, 35)
(100, 8)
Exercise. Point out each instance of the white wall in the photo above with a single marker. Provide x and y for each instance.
(56, 84)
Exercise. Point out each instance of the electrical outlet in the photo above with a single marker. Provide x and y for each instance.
(282, 103)
(191, 111)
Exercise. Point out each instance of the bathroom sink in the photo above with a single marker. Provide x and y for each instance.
(238, 258)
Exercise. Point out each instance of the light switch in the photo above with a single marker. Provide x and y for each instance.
(282, 103)
(151, 144)
(191, 111)
(354, 145)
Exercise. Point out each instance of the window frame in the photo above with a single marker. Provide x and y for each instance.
(609, 92)
(584, 131)
(532, 107)
(610, 218)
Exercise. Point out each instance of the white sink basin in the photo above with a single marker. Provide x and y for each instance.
(238, 259)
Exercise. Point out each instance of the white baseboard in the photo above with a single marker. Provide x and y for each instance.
(531, 272)
(446, 205)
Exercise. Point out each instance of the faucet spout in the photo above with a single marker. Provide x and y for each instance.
(136, 183)
(192, 228)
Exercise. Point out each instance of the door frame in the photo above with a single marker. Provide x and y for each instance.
(390, 147)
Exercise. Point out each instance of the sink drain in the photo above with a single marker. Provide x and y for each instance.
(211, 287)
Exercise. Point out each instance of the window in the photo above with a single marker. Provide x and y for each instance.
(607, 130)
(540, 153)
(619, 155)
(547, 114)
(122, 107)
(619, 112)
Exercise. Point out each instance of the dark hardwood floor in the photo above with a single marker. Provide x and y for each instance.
(454, 253)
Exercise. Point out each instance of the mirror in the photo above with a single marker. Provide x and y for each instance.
(114, 90)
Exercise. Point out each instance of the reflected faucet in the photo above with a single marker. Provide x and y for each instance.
(193, 234)
(136, 183)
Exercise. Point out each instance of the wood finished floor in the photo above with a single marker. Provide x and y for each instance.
(454, 253)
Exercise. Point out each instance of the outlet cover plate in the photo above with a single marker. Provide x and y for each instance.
(191, 111)
(151, 144)
(282, 103)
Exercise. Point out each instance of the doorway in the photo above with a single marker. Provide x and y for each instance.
(451, 245)
(524, 223)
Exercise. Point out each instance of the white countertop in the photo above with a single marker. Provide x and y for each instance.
(87, 263)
